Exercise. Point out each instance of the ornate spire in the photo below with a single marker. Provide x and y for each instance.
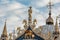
(4, 35)
(5, 30)
(49, 20)
(56, 26)
(56, 33)
(30, 16)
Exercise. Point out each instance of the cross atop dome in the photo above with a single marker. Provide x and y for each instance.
(50, 7)
(49, 21)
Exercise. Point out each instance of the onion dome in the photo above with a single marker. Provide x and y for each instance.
(49, 20)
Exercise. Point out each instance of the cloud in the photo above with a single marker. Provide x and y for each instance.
(39, 3)
(4, 1)
(8, 11)
(1, 15)
(42, 3)
(55, 13)
(13, 22)
(15, 12)
(13, 19)
(36, 14)
(15, 5)
(55, 1)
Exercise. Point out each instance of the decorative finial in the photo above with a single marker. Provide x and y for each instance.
(5, 23)
(35, 21)
(30, 9)
(25, 23)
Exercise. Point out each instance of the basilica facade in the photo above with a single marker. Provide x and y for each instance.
(50, 31)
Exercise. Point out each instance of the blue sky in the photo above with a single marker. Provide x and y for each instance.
(15, 11)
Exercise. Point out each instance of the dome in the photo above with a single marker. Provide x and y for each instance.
(49, 20)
